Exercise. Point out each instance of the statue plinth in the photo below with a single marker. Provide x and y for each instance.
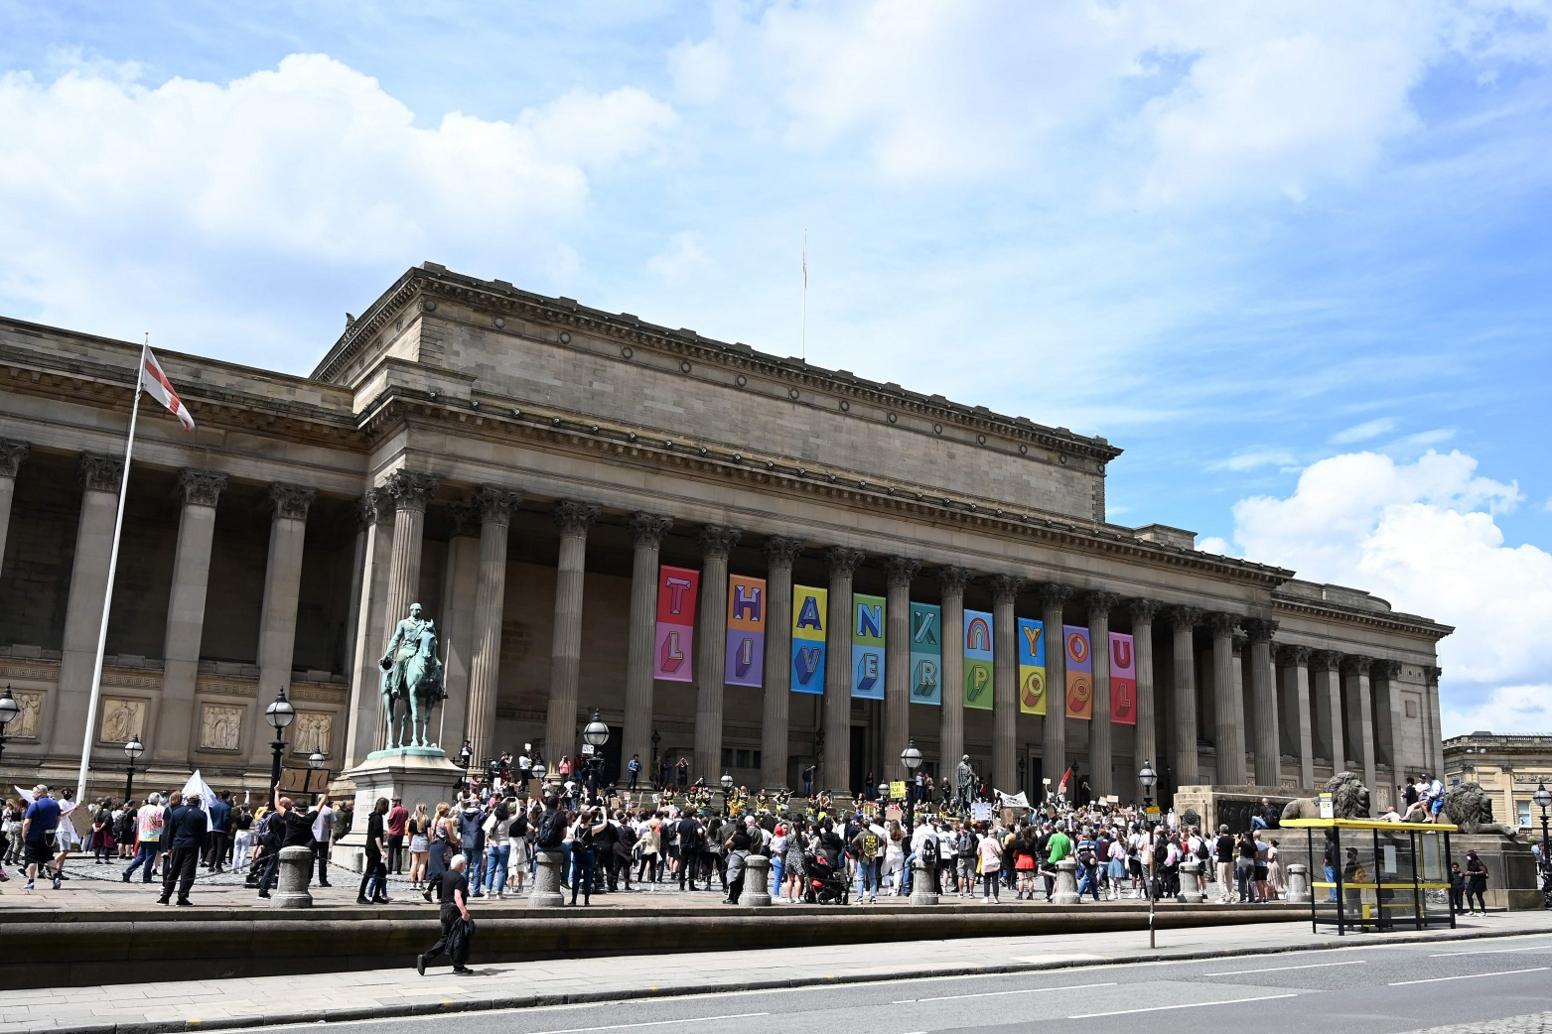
(415, 775)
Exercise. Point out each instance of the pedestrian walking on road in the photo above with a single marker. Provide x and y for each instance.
(1476, 884)
(457, 924)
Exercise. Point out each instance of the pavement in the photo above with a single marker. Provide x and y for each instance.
(711, 989)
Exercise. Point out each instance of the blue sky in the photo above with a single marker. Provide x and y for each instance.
(1292, 257)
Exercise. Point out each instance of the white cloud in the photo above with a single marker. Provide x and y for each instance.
(684, 256)
(1424, 536)
(1424, 439)
(1214, 544)
(1508, 709)
(1366, 430)
(1253, 459)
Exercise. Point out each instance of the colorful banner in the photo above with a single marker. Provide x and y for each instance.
(926, 654)
(674, 644)
(978, 660)
(745, 665)
(1031, 666)
(867, 646)
(1080, 672)
(1123, 680)
(808, 639)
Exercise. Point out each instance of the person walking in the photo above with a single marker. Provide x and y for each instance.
(990, 852)
(1223, 857)
(457, 924)
(323, 835)
(39, 823)
(497, 831)
(419, 829)
(374, 876)
(186, 831)
(633, 766)
(440, 851)
(398, 817)
(1476, 884)
(219, 840)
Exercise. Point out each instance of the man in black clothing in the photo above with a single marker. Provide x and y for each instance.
(184, 829)
(457, 927)
(288, 827)
(690, 851)
(375, 876)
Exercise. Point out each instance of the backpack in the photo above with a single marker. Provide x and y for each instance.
(552, 829)
(929, 850)
(870, 845)
(965, 845)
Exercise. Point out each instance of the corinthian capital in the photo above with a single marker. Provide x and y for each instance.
(1142, 610)
(573, 517)
(1356, 664)
(900, 570)
(843, 560)
(953, 579)
(374, 506)
(200, 487)
(1387, 670)
(11, 455)
(1100, 603)
(1325, 660)
(1261, 630)
(1222, 623)
(648, 529)
(291, 501)
(718, 540)
(1005, 587)
(1185, 617)
(1053, 595)
(1298, 656)
(781, 552)
(101, 473)
(495, 504)
(409, 490)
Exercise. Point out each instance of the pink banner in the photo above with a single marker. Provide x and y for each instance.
(674, 644)
(1123, 680)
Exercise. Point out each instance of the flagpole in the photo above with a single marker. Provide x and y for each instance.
(113, 563)
(803, 332)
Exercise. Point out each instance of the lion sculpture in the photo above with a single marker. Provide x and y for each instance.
(1471, 809)
(1349, 800)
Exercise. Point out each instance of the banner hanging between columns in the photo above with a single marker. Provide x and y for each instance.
(745, 664)
(926, 654)
(1123, 680)
(1080, 672)
(808, 639)
(674, 643)
(1031, 666)
(979, 658)
(867, 646)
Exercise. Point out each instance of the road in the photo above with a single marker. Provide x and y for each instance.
(1379, 989)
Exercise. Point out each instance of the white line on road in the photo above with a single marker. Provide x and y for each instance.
(655, 1023)
(1280, 969)
(1470, 976)
(1184, 1005)
(1490, 951)
(988, 994)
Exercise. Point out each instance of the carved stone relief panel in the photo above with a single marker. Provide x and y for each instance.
(123, 718)
(312, 732)
(220, 727)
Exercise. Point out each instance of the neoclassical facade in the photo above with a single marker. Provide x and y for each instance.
(525, 467)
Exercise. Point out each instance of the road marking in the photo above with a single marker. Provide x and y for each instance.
(1183, 1005)
(1470, 976)
(1279, 969)
(654, 1023)
(988, 994)
(1491, 951)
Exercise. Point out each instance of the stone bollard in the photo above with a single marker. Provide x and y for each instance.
(546, 886)
(1066, 891)
(1191, 882)
(296, 869)
(1298, 890)
(922, 884)
(757, 878)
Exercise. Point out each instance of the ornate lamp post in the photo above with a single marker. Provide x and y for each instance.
(132, 750)
(1147, 777)
(727, 790)
(1543, 799)
(465, 759)
(595, 734)
(9, 709)
(279, 714)
(911, 758)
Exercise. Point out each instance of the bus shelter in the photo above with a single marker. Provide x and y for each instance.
(1378, 875)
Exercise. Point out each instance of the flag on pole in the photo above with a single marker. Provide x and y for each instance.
(160, 388)
(1061, 788)
(196, 786)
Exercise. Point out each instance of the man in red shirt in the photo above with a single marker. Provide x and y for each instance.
(398, 816)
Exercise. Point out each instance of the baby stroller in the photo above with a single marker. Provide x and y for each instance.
(827, 883)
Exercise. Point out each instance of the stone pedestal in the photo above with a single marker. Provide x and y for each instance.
(1066, 891)
(546, 887)
(922, 884)
(1298, 889)
(757, 881)
(415, 775)
(296, 868)
(1511, 869)
(1191, 882)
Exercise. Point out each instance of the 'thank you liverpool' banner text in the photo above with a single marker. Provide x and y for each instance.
(867, 646)
(674, 642)
(745, 664)
(1080, 672)
(1031, 666)
(808, 639)
(926, 654)
(978, 659)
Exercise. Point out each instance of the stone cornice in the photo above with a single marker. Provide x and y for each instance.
(1390, 621)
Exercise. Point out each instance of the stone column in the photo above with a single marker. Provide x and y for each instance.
(282, 585)
(1054, 741)
(1101, 751)
(951, 741)
(835, 771)
(711, 649)
(780, 553)
(409, 492)
(647, 531)
(1005, 589)
(1328, 705)
(1268, 742)
(11, 455)
(897, 664)
(1230, 740)
(1385, 673)
(1435, 750)
(186, 615)
(1360, 717)
(366, 722)
(1184, 619)
(572, 519)
(100, 477)
(1145, 736)
(1295, 691)
(494, 506)
(455, 629)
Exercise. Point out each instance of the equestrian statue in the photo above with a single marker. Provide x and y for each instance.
(411, 684)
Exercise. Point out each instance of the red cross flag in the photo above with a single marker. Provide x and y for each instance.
(160, 388)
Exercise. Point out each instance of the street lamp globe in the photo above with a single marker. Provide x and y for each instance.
(134, 748)
(280, 714)
(883, 790)
(1147, 777)
(9, 708)
(316, 760)
(1542, 796)
(541, 773)
(727, 782)
(910, 757)
(596, 733)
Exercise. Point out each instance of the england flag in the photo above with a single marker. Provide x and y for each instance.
(160, 388)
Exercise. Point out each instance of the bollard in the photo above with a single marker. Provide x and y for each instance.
(546, 888)
(1066, 892)
(1298, 884)
(296, 869)
(1191, 882)
(922, 883)
(757, 877)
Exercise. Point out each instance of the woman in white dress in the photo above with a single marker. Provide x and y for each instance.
(894, 859)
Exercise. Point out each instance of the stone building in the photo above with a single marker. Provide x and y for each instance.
(1509, 769)
(523, 465)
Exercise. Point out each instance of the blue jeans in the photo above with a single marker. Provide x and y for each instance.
(867, 878)
(907, 872)
(1331, 879)
(145, 855)
(497, 857)
(778, 864)
(566, 875)
(582, 873)
(476, 871)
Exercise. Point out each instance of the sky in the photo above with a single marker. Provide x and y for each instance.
(1293, 257)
